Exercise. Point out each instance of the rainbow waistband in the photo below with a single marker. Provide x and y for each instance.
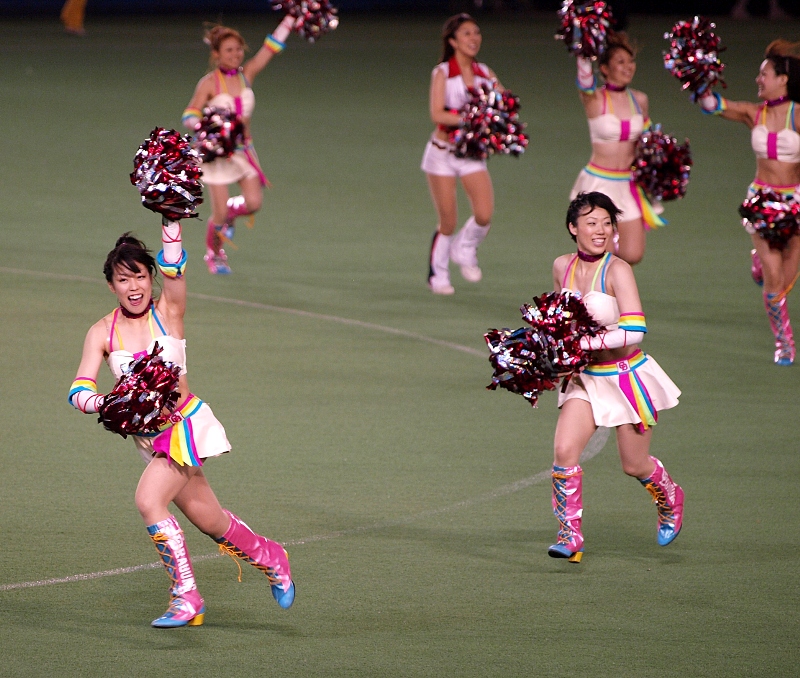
(610, 174)
(785, 191)
(649, 217)
(610, 368)
(176, 439)
(631, 386)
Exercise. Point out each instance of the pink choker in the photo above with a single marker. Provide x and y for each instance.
(778, 101)
(229, 71)
(616, 88)
(135, 316)
(590, 257)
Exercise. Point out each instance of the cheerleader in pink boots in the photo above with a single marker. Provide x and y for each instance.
(622, 387)
(174, 456)
(776, 143)
(228, 87)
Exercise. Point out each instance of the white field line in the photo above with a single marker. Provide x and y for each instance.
(593, 448)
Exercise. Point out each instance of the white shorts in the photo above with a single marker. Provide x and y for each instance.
(438, 159)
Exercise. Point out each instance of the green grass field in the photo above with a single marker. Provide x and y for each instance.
(414, 502)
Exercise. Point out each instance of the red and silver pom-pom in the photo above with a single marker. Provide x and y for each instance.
(584, 27)
(774, 217)
(693, 55)
(315, 18)
(217, 134)
(167, 173)
(662, 165)
(490, 125)
(143, 398)
(533, 359)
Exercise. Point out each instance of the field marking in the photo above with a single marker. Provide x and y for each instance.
(594, 447)
(277, 309)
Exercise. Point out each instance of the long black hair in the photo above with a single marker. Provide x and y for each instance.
(449, 30)
(130, 253)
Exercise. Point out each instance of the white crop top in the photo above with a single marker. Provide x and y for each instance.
(174, 350)
(608, 128)
(601, 306)
(455, 89)
(783, 145)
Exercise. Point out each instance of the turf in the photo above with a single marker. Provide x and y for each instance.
(368, 447)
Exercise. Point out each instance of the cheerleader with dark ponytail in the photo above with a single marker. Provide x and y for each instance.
(774, 138)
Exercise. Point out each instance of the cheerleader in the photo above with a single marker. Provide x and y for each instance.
(174, 456)
(458, 70)
(228, 86)
(773, 135)
(621, 388)
(617, 115)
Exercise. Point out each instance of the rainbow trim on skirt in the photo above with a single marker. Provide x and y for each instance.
(177, 440)
(631, 386)
(784, 191)
(650, 219)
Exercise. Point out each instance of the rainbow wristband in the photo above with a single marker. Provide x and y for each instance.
(591, 89)
(190, 113)
(632, 322)
(721, 107)
(273, 44)
(81, 384)
(172, 270)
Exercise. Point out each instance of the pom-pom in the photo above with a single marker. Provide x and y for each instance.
(661, 165)
(533, 359)
(774, 217)
(693, 56)
(315, 18)
(490, 124)
(584, 27)
(167, 173)
(143, 398)
(217, 134)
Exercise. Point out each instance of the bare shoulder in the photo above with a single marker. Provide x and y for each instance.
(560, 266)
(619, 274)
(99, 332)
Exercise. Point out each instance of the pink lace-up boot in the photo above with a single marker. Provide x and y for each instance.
(568, 508)
(778, 315)
(215, 257)
(263, 554)
(186, 607)
(668, 498)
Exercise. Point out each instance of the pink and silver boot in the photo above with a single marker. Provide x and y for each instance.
(186, 607)
(263, 554)
(668, 497)
(778, 315)
(568, 508)
(215, 257)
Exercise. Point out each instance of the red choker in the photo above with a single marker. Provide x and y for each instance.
(590, 257)
(229, 71)
(616, 88)
(135, 316)
(778, 101)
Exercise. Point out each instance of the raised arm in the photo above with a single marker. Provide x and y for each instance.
(274, 44)
(171, 262)
(745, 112)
